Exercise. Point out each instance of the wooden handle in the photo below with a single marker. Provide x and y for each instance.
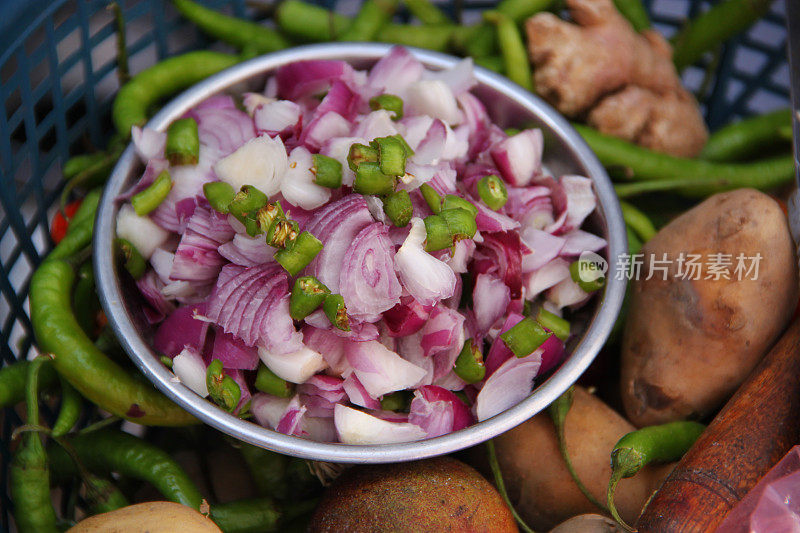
(754, 430)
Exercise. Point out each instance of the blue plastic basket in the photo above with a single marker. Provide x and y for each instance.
(58, 79)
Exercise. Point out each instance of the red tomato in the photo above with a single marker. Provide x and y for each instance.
(60, 225)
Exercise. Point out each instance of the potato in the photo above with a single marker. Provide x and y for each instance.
(689, 343)
(150, 517)
(536, 476)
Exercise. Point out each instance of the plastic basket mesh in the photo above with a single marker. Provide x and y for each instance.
(58, 78)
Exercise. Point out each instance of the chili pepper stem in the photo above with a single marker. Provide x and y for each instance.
(616, 476)
(27, 428)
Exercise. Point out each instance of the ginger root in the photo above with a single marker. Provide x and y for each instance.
(621, 81)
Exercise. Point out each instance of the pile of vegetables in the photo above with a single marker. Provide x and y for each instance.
(581, 456)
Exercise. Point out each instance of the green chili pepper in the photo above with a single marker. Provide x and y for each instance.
(183, 142)
(267, 381)
(493, 63)
(12, 381)
(299, 254)
(748, 138)
(370, 180)
(409, 152)
(435, 38)
(307, 22)
(80, 163)
(90, 172)
(246, 200)
(268, 469)
(258, 515)
(475, 41)
(91, 372)
(133, 261)
(29, 474)
(522, 10)
(237, 32)
(634, 11)
(431, 197)
(525, 337)
(451, 201)
(645, 164)
(336, 311)
(389, 102)
(327, 171)
(426, 12)
(469, 364)
(713, 27)
(361, 153)
(369, 20)
(558, 414)
(222, 389)
(438, 236)
(512, 49)
(146, 201)
(282, 232)
(102, 495)
(81, 227)
(391, 155)
(70, 410)
(396, 401)
(123, 70)
(219, 195)
(460, 222)
(106, 450)
(85, 300)
(269, 214)
(579, 270)
(308, 294)
(638, 221)
(554, 323)
(398, 208)
(136, 97)
(654, 444)
(493, 192)
(626, 190)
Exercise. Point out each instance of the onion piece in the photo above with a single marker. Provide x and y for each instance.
(298, 186)
(381, 370)
(157, 306)
(508, 385)
(426, 278)
(330, 345)
(460, 77)
(357, 394)
(139, 231)
(499, 352)
(433, 98)
(578, 241)
(490, 298)
(234, 353)
(261, 162)
(367, 280)
(290, 421)
(547, 276)
(197, 258)
(566, 293)
(295, 367)
(277, 117)
(221, 131)
(407, 317)
(504, 249)
(189, 367)
(300, 79)
(438, 411)
(341, 100)
(488, 220)
(247, 251)
(357, 427)
(180, 329)
(148, 143)
(519, 158)
(267, 409)
(580, 200)
(376, 124)
(338, 148)
(541, 248)
(396, 71)
(323, 127)
(444, 331)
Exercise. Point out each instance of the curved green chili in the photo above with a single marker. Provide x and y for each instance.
(558, 411)
(654, 444)
(748, 137)
(79, 235)
(308, 22)
(12, 381)
(237, 32)
(369, 20)
(107, 450)
(435, 38)
(257, 515)
(70, 410)
(714, 27)
(102, 495)
(426, 12)
(512, 48)
(29, 474)
(163, 79)
(626, 190)
(90, 172)
(478, 41)
(97, 378)
(647, 165)
(85, 303)
(638, 221)
(521, 10)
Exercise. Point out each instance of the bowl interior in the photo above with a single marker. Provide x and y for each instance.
(509, 106)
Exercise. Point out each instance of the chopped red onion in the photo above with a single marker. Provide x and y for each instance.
(189, 367)
(438, 411)
(357, 427)
(547, 276)
(566, 293)
(295, 367)
(330, 345)
(298, 186)
(308, 78)
(180, 329)
(507, 386)
(150, 286)
(367, 281)
(519, 158)
(376, 124)
(407, 317)
(279, 117)
(260, 162)
(197, 258)
(488, 220)
(460, 77)
(233, 352)
(222, 130)
(395, 71)
(505, 250)
(499, 352)
(148, 143)
(490, 298)
(267, 409)
(433, 98)
(247, 251)
(426, 278)
(357, 394)
(289, 424)
(541, 248)
(324, 126)
(380, 370)
(578, 241)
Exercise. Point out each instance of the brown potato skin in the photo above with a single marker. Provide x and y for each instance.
(537, 478)
(689, 344)
(150, 517)
(434, 495)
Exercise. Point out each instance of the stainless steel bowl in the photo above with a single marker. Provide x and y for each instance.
(509, 105)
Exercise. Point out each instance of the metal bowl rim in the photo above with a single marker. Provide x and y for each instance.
(146, 360)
